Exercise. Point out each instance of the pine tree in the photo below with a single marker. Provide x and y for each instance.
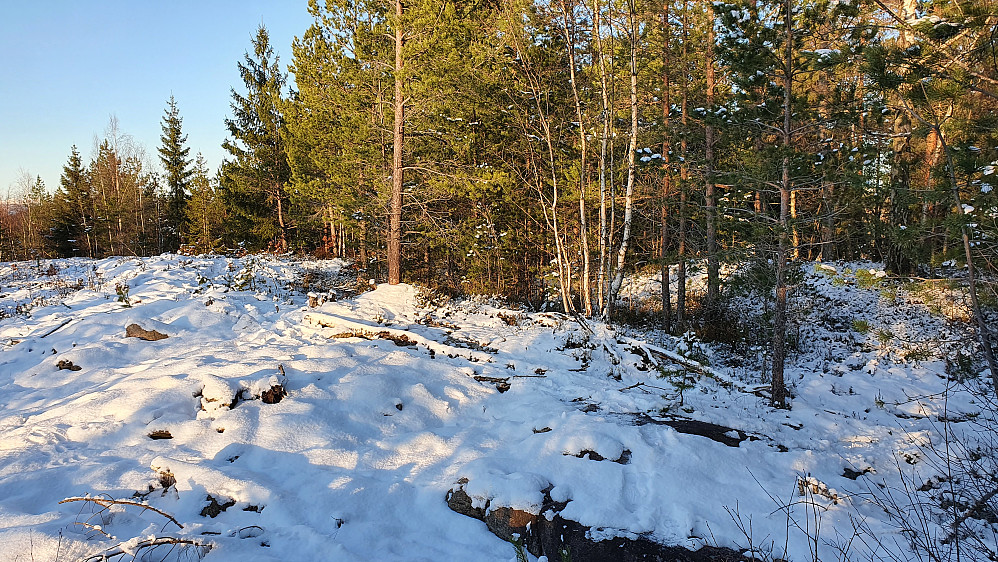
(776, 53)
(73, 223)
(335, 133)
(173, 153)
(204, 211)
(257, 176)
(39, 219)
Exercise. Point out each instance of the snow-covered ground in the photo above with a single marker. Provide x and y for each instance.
(393, 396)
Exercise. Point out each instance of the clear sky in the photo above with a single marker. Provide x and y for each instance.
(67, 66)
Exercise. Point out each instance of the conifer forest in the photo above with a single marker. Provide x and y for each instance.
(542, 151)
(554, 279)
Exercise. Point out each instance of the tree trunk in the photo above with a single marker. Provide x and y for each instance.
(398, 137)
(632, 147)
(667, 169)
(604, 233)
(896, 258)
(362, 244)
(684, 176)
(283, 240)
(828, 221)
(710, 199)
(983, 332)
(569, 29)
(778, 388)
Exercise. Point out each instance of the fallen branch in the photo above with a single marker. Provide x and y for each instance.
(643, 385)
(153, 542)
(57, 328)
(106, 503)
(346, 328)
(692, 365)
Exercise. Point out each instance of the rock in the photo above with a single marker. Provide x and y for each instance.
(67, 365)
(544, 537)
(216, 394)
(273, 395)
(160, 434)
(722, 434)
(854, 474)
(213, 509)
(136, 331)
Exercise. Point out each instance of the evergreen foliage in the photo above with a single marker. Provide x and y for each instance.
(543, 150)
(205, 214)
(256, 178)
(173, 153)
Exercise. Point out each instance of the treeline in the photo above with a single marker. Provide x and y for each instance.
(541, 150)
(115, 204)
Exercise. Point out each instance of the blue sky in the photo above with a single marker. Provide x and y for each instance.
(67, 66)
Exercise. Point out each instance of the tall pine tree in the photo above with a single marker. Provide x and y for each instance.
(173, 153)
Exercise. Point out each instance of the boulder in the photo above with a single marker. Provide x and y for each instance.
(136, 331)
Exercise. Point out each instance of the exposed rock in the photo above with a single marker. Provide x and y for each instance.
(160, 434)
(273, 395)
(214, 508)
(625, 456)
(854, 474)
(721, 434)
(67, 365)
(136, 331)
(550, 537)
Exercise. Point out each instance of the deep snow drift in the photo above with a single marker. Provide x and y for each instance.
(392, 397)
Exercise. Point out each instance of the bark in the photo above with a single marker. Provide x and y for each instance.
(569, 30)
(398, 137)
(778, 389)
(710, 199)
(632, 147)
(795, 241)
(667, 168)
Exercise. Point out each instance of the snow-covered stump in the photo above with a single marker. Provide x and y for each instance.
(219, 395)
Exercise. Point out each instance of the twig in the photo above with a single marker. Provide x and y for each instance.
(54, 330)
(148, 543)
(93, 528)
(109, 502)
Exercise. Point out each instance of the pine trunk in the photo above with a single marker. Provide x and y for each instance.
(398, 137)
(667, 170)
(710, 199)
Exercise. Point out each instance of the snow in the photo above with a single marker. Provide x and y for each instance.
(384, 414)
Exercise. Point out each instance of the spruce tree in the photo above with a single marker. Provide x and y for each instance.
(204, 210)
(173, 153)
(73, 223)
(257, 176)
